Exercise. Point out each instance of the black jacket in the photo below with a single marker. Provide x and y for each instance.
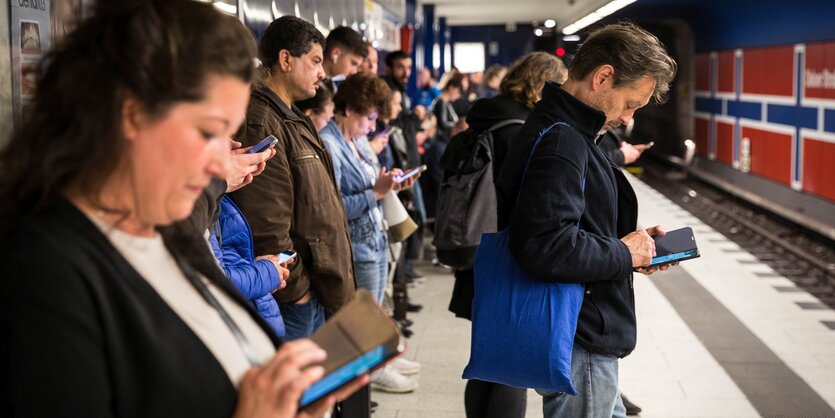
(83, 334)
(543, 224)
(484, 114)
(488, 112)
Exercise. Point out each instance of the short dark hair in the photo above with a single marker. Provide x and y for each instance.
(346, 39)
(295, 35)
(454, 83)
(395, 56)
(360, 93)
(71, 138)
(317, 103)
(633, 52)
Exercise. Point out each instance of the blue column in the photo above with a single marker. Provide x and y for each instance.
(411, 19)
(428, 35)
(443, 39)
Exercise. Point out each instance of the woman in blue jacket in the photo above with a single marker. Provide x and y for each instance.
(256, 278)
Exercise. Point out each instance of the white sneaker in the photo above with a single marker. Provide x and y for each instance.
(388, 380)
(405, 366)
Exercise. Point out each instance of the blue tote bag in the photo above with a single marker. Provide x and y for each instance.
(523, 328)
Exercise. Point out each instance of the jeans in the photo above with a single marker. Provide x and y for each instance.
(371, 275)
(595, 376)
(301, 319)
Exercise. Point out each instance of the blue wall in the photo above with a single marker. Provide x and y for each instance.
(512, 45)
(726, 24)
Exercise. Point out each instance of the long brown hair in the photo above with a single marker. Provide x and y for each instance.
(158, 52)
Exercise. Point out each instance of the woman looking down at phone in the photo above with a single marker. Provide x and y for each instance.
(102, 314)
(363, 187)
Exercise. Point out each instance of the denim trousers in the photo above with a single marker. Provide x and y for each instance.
(371, 275)
(302, 319)
(595, 377)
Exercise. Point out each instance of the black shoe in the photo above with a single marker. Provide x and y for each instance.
(631, 408)
(374, 406)
(413, 274)
(405, 323)
(413, 307)
(406, 332)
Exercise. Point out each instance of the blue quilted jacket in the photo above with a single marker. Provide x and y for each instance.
(255, 279)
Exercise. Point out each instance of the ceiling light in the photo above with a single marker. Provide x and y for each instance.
(571, 38)
(550, 23)
(537, 32)
(596, 15)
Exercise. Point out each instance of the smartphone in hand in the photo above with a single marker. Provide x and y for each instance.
(286, 256)
(265, 143)
(677, 245)
(409, 174)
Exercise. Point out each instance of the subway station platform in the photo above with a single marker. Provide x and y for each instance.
(718, 336)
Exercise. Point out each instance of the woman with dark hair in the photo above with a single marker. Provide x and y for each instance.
(104, 314)
(520, 89)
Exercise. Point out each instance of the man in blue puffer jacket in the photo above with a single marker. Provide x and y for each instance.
(256, 278)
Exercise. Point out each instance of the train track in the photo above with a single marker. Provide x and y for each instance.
(802, 256)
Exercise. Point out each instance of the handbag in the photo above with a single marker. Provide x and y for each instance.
(522, 328)
(400, 224)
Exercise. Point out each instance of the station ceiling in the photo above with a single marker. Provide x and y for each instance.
(491, 12)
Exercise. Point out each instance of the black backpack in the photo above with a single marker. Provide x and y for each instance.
(466, 206)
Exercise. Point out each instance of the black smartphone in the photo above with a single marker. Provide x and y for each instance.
(677, 245)
(265, 143)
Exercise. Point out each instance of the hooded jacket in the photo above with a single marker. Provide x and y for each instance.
(256, 279)
(565, 220)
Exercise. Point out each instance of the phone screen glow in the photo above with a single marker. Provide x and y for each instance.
(669, 258)
(342, 375)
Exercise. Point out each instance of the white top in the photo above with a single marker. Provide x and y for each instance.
(157, 266)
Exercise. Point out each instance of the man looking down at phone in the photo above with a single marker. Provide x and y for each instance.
(294, 204)
(573, 217)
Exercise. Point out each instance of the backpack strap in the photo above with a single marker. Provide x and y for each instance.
(530, 156)
(506, 122)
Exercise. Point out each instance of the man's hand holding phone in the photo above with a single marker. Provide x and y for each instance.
(245, 164)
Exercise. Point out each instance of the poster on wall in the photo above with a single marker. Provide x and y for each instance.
(5, 78)
(30, 29)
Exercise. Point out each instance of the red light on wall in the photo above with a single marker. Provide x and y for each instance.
(560, 52)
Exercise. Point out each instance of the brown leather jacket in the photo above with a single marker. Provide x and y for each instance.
(295, 204)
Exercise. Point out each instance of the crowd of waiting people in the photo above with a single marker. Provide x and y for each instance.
(140, 269)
